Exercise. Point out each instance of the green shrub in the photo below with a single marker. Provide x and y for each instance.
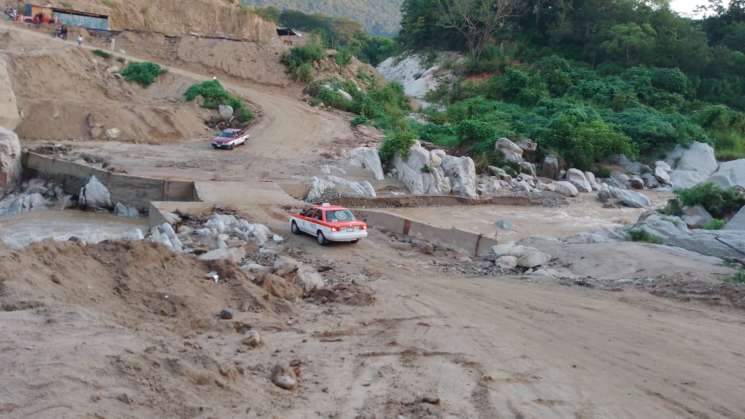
(103, 54)
(398, 142)
(299, 60)
(644, 237)
(737, 278)
(214, 95)
(719, 202)
(343, 57)
(673, 207)
(143, 73)
(715, 224)
(360, 120)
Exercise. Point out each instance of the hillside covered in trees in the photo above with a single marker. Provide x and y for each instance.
(378, 17)
(586, 78)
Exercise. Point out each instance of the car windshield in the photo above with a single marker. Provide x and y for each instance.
(339, 215)
(227, 134)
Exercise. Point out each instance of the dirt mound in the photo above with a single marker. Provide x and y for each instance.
(67, 93)
(174, 17)
(135, 284)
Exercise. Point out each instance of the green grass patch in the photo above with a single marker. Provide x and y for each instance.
(719, 202)
(214, 95)
(143, 73)
(715, 224)
(103, 54)
(644, 236)
(738, 278)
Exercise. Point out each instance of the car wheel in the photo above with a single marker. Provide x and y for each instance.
(230, 147)
(294, 228)
(214, 146)
(355, 241)
(321, 238)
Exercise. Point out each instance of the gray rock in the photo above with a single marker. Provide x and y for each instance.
(511, 151)
(727, 244)
(10, 160)
(528, 168)
(95, 195)
(345, 95)
(737, 222)
(309, 278)
(499, 172)
(662, 172)
(253, 339)
(461, 171)
(533, 259)
(528, 145)
(696, 217)
(622, 180)
(165, 235)
(636, 182)
(527, 257)
(113, 134)
(326, 187)
(505, 225)
(731, 173)
(691, 165)
(284, 377)
(592, 181)
(367, 158)
(506, 263)
(650, 181)
(566, 188)
(225, 111)
(122, 210)
(628, 165)
(578, 179)
(623, 197)
(550, 167)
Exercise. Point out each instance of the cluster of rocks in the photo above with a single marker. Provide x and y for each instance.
(426, 172)
(35, 195)
(98, 131)
(728, 243)
(252, 246)
(511, 256)
(95, 196)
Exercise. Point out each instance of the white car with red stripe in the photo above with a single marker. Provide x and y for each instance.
(328, 223)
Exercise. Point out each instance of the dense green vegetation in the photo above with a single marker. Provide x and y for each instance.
(715, 224)
(299, 60)
(644, 237)
(589, 78)
(214, 95)
(379, 17)
(719, 202)
(143, 73)
(737, 278)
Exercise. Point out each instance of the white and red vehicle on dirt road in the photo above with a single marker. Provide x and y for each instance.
(230, 138)
(328, 223)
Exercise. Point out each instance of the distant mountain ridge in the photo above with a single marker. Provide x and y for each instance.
(379, 17)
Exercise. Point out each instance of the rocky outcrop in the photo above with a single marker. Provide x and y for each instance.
(691, 165)
(414, 75)
(662, 172)
(511, 151)
(731, 173)
(10, 161)
(367, 158)
(94, 195)
(435, 173)
(525, 257)
(696, 217)
(9, 116)
(565, 188)
(329, 188)
(727, 244)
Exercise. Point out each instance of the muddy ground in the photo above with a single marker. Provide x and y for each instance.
(133, 330)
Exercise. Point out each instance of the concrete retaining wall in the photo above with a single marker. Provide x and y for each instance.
(471, 243)
(131, 190)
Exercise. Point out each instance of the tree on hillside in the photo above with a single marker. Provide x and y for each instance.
(477, 20)
(629, 40)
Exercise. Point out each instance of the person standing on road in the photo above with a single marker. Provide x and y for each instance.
(80, 40)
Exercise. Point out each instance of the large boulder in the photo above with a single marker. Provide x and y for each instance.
(633, 167)
(727, 244)
(9, 116)
(527, 257)
(662, 172)
(565, 188)
(95, 195)
(737, 222)
(333, 187)
(367, 158)
(225, 111)
(10, 160)
(696, 216)
(511, 151)
(462, 174)
(731, 173)
(592, 181)
(691, 165)
(625, 197)
(578, 179)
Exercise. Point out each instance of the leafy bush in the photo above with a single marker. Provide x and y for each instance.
(737, 278)
(715, 224)
(673, 207)
(214, 95)
(360, 120)
(719, 202)
(143, 73)
(398, 142)
(343, 57)
(101, 53)
(644, 237)
(299, 60)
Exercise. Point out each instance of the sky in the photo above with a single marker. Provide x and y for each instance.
(685, 7)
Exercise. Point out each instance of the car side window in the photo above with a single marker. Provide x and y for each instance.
(319, 215)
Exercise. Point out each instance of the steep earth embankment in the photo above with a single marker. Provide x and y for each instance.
(68, 93)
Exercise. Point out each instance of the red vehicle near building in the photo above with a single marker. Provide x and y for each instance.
(328, 223)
